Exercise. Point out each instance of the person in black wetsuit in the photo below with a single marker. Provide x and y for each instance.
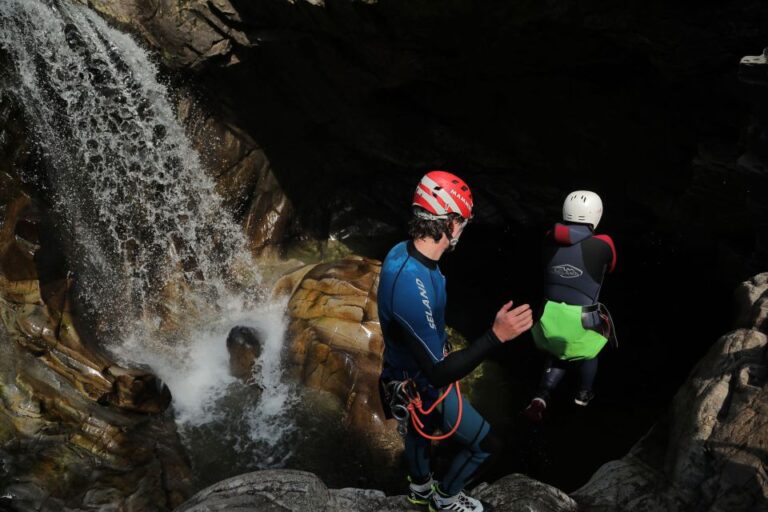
(573, 327)
(411, 305)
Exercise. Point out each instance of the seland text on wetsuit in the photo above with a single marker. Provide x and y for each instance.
(411, 304)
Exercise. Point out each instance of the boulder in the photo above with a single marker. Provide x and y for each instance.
(710, 452)
(262, 491)
(520, 493)
(299, 491)
(244, 346)
(751, 298)
(335, 340)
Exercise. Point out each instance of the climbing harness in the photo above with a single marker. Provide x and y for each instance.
(611, 334)
(405, 403)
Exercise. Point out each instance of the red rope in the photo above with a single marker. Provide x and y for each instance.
(415, 404)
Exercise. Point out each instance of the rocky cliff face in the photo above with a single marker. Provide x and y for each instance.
(77, 429)
(709, 453)
(243, 174)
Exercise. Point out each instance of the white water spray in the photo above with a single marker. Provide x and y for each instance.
(147, 230)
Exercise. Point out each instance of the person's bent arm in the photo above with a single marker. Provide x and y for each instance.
(426, 344)
(455, 365)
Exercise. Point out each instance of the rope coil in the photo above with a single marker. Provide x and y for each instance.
(406, 403)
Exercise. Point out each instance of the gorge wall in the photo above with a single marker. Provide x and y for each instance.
(316, 119)
(349, 102)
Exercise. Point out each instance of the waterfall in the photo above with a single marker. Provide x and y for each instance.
(146, 234)
(131, 189)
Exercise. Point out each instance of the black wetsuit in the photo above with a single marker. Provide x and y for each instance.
(576, 261)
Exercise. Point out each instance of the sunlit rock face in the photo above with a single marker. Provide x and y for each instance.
(335, 341)
(77, 430)
(752, 303)
(72, 419)
(709, 453)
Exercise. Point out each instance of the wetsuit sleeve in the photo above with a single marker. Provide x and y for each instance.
(458, 364)
(609, 241)
(413, 311)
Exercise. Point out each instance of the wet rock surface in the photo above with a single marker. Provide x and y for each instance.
(710, 452)
(335, 341)
(243, 173)
(77, 430)
(244, 346)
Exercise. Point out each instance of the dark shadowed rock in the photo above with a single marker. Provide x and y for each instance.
(710, 453)
(244, 175)
(751, 299)
(244, 346)
(351, 100)
(138, 390)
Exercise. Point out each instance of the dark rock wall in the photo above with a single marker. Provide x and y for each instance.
(352, 100)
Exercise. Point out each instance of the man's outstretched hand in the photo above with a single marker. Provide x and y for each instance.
(511, 323)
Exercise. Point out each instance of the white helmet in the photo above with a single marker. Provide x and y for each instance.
(584, 207)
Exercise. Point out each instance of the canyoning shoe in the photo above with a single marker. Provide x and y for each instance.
(535, 410)
(419, 494)
(456, 503)
(583, 397)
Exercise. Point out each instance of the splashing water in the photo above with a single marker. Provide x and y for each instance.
(145, 231)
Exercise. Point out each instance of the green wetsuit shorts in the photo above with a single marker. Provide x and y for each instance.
(561, 333)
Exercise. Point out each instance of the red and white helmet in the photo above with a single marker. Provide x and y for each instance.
(440, 193)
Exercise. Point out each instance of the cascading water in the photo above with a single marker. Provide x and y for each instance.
(147, 236)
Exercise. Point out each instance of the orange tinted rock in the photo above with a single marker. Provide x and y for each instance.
(335, 341)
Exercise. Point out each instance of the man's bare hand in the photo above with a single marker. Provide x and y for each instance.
(511, 323)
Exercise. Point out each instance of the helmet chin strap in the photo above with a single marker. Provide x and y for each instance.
(452, 242)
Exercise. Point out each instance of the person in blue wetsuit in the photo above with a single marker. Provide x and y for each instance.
(411, 305)
(574, 326)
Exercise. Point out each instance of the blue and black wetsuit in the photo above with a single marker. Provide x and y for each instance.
(411, 302)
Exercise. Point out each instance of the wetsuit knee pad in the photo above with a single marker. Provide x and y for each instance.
(492, 443)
